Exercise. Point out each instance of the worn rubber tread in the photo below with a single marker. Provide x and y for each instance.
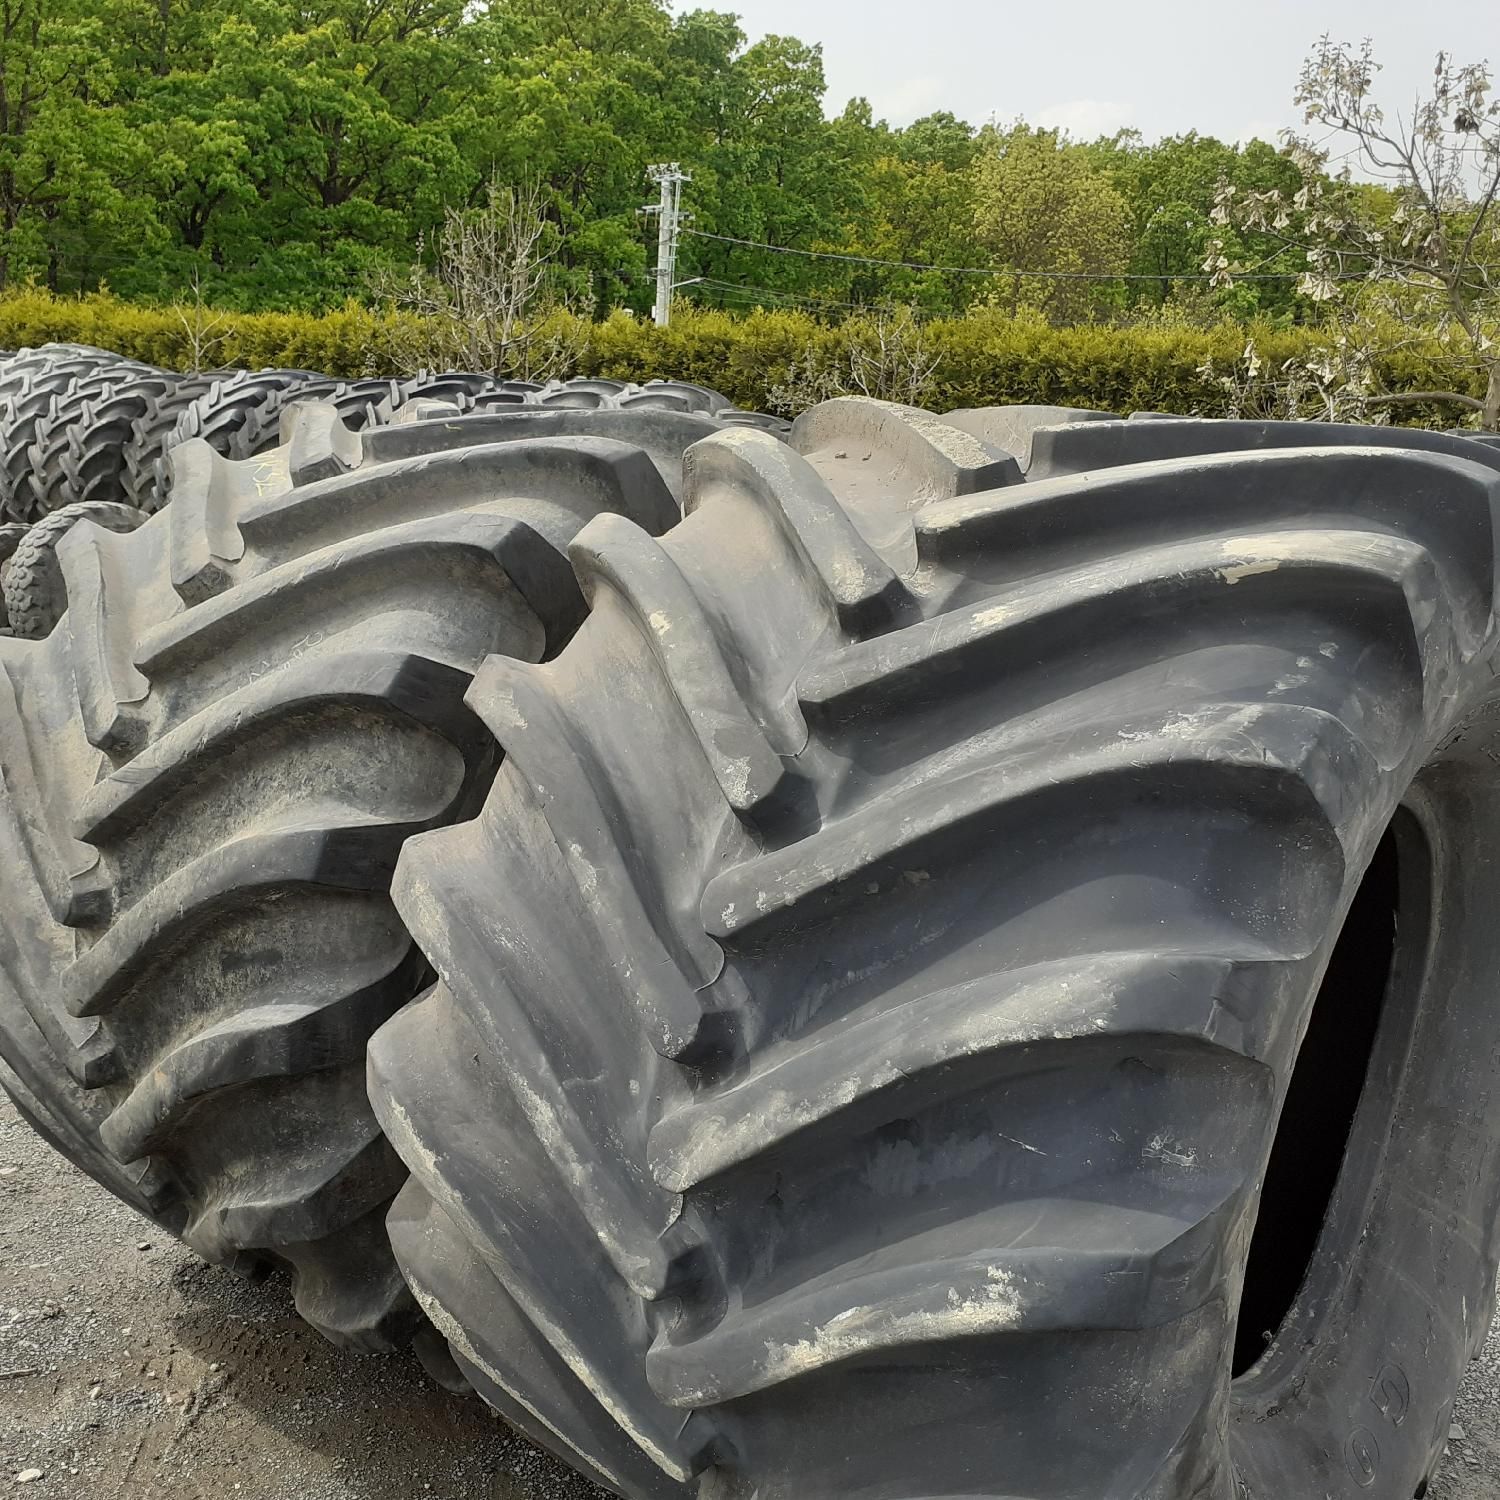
(222, 411)
(144, 464)
(12, 534)
(995, 1012)
(251, 701)
(27, 393)
(262, 426)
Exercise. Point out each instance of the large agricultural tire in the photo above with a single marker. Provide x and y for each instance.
(663, 433)
(562, 396)
(28, 389)
(903, 916)
(219, 414)
(1489, 439)
(34, 356)
(668, 395)
(208, 770)
(146, 472)
(78, 451)
(470, 391)
(457, 386)
(261, 430)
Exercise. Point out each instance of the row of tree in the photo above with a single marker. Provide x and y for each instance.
(286, 153)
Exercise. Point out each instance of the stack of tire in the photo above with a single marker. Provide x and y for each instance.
(945, 956)
(85, 434)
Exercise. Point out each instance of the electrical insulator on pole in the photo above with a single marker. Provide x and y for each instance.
(669, 178)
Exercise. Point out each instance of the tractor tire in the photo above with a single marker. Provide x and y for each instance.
(39, 355)
(1489, 439)
(588, 395)
(368, 401)
(28, 388)
(669, 395)
(262, 426)
(12, 534)
(146, 473)
(902, 919)
(208, 770)
(224, 409)
(78, 453)
(760, 421)
(359, 402)
(457, 386)
(426, 426)
(35, 592)
(471, 392)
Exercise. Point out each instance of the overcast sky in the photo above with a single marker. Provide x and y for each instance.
(1094, 66)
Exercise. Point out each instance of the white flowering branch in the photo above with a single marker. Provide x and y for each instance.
(1415, 244)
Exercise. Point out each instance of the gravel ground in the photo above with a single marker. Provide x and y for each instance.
(128, 1368)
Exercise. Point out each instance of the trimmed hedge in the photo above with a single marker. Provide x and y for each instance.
(981, 360)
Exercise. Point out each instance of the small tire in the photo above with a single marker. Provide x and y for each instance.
(12, 534)
(871, 991)
(35, 589)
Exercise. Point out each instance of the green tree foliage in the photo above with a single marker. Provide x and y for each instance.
(1039, 204)
(1171, 187)
(281, 155)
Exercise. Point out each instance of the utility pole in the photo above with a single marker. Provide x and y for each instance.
(669, 177)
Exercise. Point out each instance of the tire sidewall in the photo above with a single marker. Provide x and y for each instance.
(1353, 1399)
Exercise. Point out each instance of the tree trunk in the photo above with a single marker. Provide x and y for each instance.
(1489, 415)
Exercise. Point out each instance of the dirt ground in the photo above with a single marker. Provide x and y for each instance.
(128, 1368)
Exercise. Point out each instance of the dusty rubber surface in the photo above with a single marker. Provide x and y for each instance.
(286, 1416)
(890, 819)
(207, 1386)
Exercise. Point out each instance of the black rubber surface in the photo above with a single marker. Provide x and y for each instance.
(34, 587)
(30, 382)
(12, 534)
(145, 473)
(241, 415)
(208, 770)
(220, 414)
(78, 452)
(870, 991)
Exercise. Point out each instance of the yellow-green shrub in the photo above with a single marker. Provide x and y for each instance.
(980, 360)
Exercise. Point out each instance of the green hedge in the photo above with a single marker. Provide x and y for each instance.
(981, 360)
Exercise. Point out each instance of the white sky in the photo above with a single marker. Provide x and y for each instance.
(1093, 66)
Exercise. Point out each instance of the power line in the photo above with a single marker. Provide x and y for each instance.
(914, 265)
(764, 291)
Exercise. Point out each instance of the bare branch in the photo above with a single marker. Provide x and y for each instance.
(1472, 403)
(489, 301)
(1416, 264)
(200, 328)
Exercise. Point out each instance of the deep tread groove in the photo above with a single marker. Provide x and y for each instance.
(981, 937)
(253, 700)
